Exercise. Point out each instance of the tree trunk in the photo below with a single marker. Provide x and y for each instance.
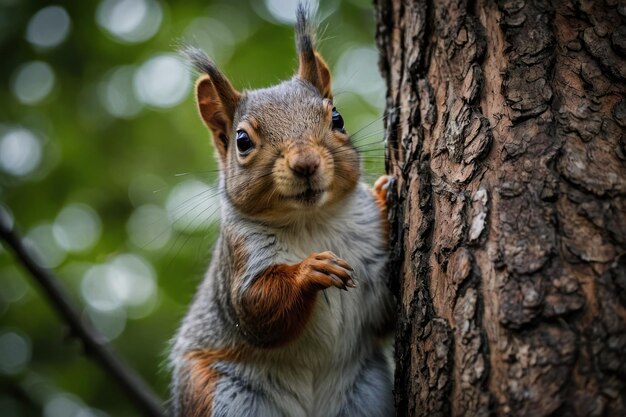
(505, 131)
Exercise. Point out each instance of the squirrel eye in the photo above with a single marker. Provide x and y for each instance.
(244, 144)
(337, 120)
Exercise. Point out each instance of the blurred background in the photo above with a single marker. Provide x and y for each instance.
(109, 173)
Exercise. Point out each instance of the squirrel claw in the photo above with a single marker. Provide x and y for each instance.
(327, 270)
(382, 183)
(338, 282)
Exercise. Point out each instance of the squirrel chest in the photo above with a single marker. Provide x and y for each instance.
(353, 233)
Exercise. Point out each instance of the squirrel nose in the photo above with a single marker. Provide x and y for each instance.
(304, 164)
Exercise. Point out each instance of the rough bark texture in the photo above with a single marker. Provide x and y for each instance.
(505, 131)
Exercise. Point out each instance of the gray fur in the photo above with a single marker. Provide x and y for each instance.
(304, 33)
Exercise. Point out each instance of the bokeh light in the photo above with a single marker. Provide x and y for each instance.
(39, 387)
(212, 36)
(20, 151)
(110, 323)
(77, 228)
(193, 206)
(116, 93)
(130, 21)
(162, 81)
(284, 11)
(33, 82)
(149, 227)
(40, 239)
(238, 20)
(15, 352)
(132, 279)
(13, 288)
(48, 27)
(97, 291)
(66, 405)
(362, 79)
(126, 280)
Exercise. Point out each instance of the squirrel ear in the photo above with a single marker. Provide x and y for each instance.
(317, 74)
(217, 102)
(216, 97)
(312, 66)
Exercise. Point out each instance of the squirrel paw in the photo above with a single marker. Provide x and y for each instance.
(381, 186)
(325, 269)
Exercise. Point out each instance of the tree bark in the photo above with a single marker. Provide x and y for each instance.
(505, 131)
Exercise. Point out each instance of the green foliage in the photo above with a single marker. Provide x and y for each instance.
(90, 158)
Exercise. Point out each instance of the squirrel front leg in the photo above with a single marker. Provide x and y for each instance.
(275, 308)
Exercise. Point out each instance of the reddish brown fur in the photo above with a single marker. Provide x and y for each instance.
(380, 195)
(279, 304)
(203, 378)
(316, 72)
(324, 74)
(198, 400)
(217, 108)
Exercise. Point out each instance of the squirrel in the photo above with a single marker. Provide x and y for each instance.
(269, 333)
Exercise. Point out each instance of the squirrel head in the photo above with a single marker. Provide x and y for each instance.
(283, 150)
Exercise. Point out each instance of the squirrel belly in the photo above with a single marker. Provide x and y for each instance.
(309, 352)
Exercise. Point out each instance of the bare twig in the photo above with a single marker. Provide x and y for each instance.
(93, 342)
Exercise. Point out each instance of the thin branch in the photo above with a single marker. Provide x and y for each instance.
(93, 342)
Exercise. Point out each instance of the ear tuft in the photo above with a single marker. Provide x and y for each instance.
(304, 33)
(200, 61)
(312, 67)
